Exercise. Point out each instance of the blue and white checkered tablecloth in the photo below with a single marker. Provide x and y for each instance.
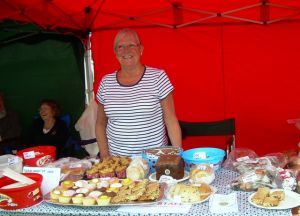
(222, 181)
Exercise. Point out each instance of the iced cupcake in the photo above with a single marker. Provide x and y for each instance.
(77, 199)
(67, 184)
(54, 194)
(88, 201)
(103, 200)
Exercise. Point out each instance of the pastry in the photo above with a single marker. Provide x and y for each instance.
(64, 199)
(263, 191)
(67, 184)
(95, 194)
(88, 201)
(77, 199)
(270, 202)
(54, 194)
(103, 200)
(280, 195)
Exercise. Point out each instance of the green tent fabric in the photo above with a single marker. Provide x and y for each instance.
(36, 65)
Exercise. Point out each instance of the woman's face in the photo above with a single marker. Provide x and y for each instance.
(128, 51)
(46, 112)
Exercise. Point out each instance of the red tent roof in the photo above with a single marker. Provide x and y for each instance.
(97, 15)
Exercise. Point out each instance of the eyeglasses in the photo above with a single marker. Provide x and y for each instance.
(121, 48)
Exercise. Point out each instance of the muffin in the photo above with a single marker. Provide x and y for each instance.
(88, 201)
(107, 172)
(64, 199)
(77, 199)
(103, 200)
(121, 172)
(54, 194)
(67, 184)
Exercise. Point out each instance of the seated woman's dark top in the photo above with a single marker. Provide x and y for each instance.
(57, 136)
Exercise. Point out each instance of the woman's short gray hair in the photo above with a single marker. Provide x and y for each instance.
(124, 32)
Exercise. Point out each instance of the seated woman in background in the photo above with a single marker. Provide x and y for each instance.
(49, 129)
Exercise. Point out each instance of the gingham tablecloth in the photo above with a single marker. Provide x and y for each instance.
(222, 181)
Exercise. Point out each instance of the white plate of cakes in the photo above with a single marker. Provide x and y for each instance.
(274, 198)
(190, 194)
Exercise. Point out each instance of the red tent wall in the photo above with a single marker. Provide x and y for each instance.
(230, 65)
(249, 72)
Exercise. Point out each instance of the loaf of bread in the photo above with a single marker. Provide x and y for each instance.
(170, 165)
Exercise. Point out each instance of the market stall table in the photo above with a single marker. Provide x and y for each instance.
(222, 181)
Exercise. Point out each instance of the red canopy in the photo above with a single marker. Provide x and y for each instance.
(225, 58)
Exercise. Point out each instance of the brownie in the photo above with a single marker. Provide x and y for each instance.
(170, 165)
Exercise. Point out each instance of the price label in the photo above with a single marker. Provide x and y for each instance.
(199, 155)
(241, 159)
(28, 155)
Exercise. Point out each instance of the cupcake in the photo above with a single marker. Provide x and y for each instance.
(77, 199)
(82, 190)
(88, 201)
(69, 193)
(92, 173)
(103, 200)
(95, 180)
(121, 172)
(67, 184)
(115, 185)
(55, 194)
(91, 186)
(107, 172)
(81, 183)
(95, 194)
(102, 184)
(64, 199)
(127, 181)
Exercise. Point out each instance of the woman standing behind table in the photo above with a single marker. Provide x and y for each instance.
(48, 129)
(135, 104)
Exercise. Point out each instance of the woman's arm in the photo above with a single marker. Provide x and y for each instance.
(101, 124)
(171, 121)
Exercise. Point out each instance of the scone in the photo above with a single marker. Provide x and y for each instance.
(280, 195)
(270, 202)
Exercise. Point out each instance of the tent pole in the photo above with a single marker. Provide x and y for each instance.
(88, 71)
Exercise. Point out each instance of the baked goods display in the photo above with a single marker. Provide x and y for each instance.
(188, 193)
(111, 167)
(105, 191)
(264, 197)
(170, 165)
(202, 173)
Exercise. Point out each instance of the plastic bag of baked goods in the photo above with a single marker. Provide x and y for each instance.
(201, 173)
(71, 168)
(237, 156)
(250, 181)
(138, 169)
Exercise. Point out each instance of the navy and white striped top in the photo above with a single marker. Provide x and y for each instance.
(135, 117)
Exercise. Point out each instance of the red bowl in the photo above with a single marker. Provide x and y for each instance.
(21, 197)
(38, 156)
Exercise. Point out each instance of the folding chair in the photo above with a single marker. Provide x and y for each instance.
(224, 127)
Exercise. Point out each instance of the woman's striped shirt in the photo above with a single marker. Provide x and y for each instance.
(135, 117)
